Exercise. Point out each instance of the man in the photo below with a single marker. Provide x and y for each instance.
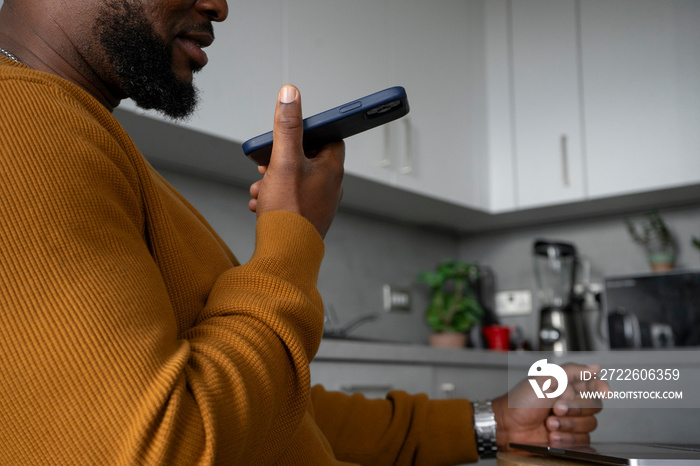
(131, 334)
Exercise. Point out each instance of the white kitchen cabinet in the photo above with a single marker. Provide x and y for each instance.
(546, 102)
(342, 50)
(338, 52)
(499, 151)
(534, 135)
(641, 75)
(604, 99)
(438, 49)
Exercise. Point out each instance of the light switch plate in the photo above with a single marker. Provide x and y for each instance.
(513, 303)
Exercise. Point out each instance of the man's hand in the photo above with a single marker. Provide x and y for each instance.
(565, 420)
(311, 187)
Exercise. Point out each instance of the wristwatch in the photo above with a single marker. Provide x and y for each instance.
(485, 429)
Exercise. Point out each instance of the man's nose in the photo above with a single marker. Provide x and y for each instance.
(214, 10)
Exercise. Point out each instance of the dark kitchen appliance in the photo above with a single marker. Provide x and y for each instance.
(659, 310)
(484, 286)
(555, 271)
(483, 283)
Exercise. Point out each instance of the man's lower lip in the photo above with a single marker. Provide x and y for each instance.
(194, 51)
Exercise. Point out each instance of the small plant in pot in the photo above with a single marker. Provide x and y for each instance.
(453, 307)
(652, 234)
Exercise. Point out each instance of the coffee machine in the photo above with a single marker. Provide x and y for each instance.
(555, 271)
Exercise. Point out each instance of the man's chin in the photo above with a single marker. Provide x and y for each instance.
(147, 71)
(184, 66)
(176, 104)
(185, 74)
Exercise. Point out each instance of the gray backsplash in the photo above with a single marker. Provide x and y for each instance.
(363, 253)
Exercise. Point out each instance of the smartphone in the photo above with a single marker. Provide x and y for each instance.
(338, 123)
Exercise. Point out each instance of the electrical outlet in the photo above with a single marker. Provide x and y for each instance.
(396, 299)
(513, 303)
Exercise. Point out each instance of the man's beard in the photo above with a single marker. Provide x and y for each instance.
(142, 61)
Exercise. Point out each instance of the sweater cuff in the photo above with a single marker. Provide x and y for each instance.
(288, 238)
(453, 439)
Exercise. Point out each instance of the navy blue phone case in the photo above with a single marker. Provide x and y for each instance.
(338, 123)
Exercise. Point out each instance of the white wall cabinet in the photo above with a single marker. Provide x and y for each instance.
(499, 151)
(438, 50)
(535, 132)
(546, 104)
(342, 50)
(603, 99)
(641, 70)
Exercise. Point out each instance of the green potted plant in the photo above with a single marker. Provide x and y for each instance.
(652, 234)
(453, 308)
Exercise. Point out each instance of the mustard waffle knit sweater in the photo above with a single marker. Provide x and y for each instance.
(130, 334)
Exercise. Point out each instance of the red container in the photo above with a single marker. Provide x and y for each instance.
(497, 337)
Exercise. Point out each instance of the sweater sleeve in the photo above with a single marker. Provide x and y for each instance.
(399, 430)
(96, 367)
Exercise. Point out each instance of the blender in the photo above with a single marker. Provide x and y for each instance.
(555, 270)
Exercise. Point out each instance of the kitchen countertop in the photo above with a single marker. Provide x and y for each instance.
(404, 353)
(376, 351)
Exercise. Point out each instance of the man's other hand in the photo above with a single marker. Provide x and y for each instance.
(568, 419)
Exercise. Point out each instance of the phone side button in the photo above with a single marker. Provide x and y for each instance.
(349, 107)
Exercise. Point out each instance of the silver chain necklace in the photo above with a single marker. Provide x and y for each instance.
(9, 55)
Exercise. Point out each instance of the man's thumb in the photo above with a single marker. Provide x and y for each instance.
(288, 130)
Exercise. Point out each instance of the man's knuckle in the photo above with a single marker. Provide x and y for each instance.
(289, 122)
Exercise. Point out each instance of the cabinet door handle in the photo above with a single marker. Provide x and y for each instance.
(385, 162)
(565, 159)
(352, 388)
(448, 389)
(408, 156)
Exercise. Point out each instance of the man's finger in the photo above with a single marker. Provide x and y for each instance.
(565, 438)
(581, 424)
(577, 407)
(288, 128)
(255, 189)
